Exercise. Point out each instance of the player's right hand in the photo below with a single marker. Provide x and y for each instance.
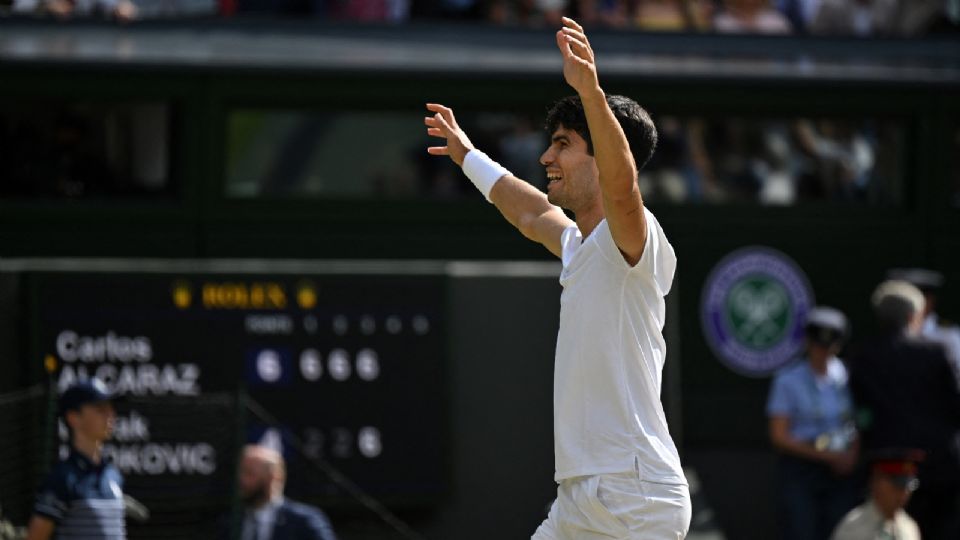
(444, 125)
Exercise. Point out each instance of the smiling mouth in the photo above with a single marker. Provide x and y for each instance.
(553, 179)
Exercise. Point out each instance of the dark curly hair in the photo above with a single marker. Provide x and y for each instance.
(635, 121)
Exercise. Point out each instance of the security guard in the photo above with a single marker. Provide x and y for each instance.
(934, 328)
(83, 495)
(893, 479)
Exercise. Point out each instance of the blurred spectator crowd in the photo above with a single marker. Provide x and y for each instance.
(79, 150)
(816, 17)
(729, 159)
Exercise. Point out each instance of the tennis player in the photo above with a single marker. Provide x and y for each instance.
(617, 467)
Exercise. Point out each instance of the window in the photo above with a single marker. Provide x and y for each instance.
(83, 151)
(775, 161)
(366, 154)
(699, 159)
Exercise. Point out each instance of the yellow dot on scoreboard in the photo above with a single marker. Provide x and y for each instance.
(182, 296)
(307, 297)
(50, 363)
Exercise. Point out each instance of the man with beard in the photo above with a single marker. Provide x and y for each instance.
(906, 396)
(268, 515)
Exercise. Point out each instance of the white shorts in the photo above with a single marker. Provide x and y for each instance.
(619, 506)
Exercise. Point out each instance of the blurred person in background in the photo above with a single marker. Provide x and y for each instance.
(934, 328)
(672, 15)
(670, 174)
(526, 12)
(551, 11)
(906, 396)
(608, 13)
(862, 18)
(893, 478)
(742, 159)
(121, 10)
(799, 13)
(520, 148)
(840, 158)
(464, 10)
(392, 11)
(811, 426)
(922, 17)
(83, 496)
(750, 17)
(268, 515)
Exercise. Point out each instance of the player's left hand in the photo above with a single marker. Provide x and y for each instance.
(579, 68)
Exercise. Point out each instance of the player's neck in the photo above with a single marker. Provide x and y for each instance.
(88, 447)
(588, 219)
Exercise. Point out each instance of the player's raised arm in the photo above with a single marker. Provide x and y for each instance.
(622, 203)
(523, 205)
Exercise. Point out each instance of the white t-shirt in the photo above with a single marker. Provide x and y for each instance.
(610, 354)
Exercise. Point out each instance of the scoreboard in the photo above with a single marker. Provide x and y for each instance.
(349, 364)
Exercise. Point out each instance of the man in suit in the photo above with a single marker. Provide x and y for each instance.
(934, 327)
(268, 515)
(906, 397)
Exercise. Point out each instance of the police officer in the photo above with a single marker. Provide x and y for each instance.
(934, 328)
(83, 495)
(810, 415)
(893, 478)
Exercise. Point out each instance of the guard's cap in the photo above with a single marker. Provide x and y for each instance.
(921, 278)
(826, 325)
(82, 393)
(898, 465)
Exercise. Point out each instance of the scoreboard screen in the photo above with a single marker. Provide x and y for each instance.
(350, 365)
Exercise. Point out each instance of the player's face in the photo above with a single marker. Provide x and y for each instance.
(572, 173)
(95, 420)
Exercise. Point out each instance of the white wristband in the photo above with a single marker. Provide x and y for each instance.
(483, 171)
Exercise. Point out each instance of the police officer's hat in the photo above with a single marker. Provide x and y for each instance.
(898, 465)
(83, 393)
(826, 325)
(928, 281)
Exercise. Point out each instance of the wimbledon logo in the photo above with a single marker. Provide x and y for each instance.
(752, 309)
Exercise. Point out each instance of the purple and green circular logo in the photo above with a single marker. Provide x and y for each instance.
(753, 307)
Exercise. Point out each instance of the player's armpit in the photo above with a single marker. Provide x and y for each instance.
(40, 528)
(528, 209)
